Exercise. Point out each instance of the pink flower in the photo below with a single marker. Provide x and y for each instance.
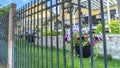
(78, 37)
(86, 36)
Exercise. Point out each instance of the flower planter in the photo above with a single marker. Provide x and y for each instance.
(86, 51)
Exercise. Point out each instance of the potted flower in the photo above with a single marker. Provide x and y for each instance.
(85, 42)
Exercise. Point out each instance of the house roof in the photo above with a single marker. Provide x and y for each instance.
(95, 4)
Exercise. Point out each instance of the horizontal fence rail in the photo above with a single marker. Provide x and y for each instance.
(4, 38)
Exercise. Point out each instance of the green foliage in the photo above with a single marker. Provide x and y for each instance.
(99, 28)
(49, 33)
(114, 26)
(45, 23)
(4, 10)
(58, 22)
(60, 33)
(75, 39)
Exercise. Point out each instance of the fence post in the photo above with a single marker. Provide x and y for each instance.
(10, 34)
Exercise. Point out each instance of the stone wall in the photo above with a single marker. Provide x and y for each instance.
(60, 41)
(113, 46)
(112, 41)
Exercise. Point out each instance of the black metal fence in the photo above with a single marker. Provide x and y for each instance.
(40, 39)
(4, 38)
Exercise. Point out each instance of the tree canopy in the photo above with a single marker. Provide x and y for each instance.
(3, 9)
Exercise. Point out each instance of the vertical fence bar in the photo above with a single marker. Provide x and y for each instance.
(3, 38)
(42, 34)
(51, 44)
(17, 42)
(30, 29)
(63, 28)
(5, 29)
(7, 37)
(57, 43)
(46, 34)
(10, 40)
(20, 21)
(34, 32)
(15, 47)
(71, 36)
(2, 42)
(24, 28)
(25, 36)
(19, 38)
(80, 33)
(0, 35)
(91, 34)
(23, 23)
(104, 35)
(20, 50)
(28, 49)
(38, 34)
(22, 42)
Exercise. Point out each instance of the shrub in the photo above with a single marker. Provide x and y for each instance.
(49, 32)
(99, 28)
(114, 26)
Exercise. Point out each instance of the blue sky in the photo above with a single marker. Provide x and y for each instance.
(19, 3)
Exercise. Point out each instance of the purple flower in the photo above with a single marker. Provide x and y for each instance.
(96, 38)
(65, 39)
(93, 43)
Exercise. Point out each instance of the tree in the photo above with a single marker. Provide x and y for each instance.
(3, 9)
(0, 5)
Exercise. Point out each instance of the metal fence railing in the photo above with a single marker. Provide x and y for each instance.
(4, 38)
(42, 37)
(39, 45)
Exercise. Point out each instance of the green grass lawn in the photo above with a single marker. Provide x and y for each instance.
(38, 54)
